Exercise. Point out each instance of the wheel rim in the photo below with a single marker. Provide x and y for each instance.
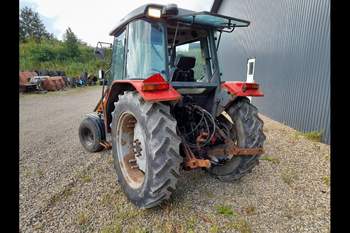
(130, 149)
(87, 136)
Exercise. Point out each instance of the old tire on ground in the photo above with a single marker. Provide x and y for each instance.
(247, 131)
(92, 132)
(153, 177)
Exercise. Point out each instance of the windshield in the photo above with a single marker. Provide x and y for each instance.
(191, 58)
(146, 50)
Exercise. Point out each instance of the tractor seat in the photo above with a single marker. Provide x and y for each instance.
(183, 69)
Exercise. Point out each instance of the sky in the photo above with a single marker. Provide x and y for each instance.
(92, 20)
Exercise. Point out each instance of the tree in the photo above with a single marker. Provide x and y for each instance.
(31, 26)
(71, 44)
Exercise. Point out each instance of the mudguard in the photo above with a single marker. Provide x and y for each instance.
(154, 89)
(165, 94)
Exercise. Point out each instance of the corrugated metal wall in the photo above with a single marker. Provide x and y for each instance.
(291, 42)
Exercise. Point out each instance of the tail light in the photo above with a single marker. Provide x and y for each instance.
(155, 83)
(155, 86)
(250, 86)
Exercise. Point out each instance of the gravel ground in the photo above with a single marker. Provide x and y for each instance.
(65, 189)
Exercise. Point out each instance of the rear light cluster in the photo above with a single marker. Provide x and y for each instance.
(250, 86)
(155, 83)
(155, 86)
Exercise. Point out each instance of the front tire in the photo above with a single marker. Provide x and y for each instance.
(247, 132)
(150, 130)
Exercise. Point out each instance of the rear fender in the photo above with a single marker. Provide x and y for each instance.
(240, 89)
(231, 91)
(119, 86)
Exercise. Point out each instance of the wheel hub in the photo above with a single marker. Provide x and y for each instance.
(139, 147)
(130, 149)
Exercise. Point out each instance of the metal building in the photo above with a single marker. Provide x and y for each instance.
(290, 41)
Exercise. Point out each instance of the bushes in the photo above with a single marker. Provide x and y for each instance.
(55, 55)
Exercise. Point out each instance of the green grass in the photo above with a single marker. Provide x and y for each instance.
(85, 177)
(315, 136)
(270, 159)
(114, 228)
(27, 174)
(67, 191)
(241, 226)
(190, 224)
(209, 194)
(214, 229)
(38, 226)
(289, 176)
(226, 211)
(326, 180)
(40, 173)
(82, 218)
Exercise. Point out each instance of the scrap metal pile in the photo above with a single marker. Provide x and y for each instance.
(43, 81)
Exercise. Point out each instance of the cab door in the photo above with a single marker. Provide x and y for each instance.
(118, 57)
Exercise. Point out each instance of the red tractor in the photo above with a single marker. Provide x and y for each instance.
(165, 107)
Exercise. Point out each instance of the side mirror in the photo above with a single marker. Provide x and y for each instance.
(101, 74)
(100, 53)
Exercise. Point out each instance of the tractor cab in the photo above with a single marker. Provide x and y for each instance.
(179, 44)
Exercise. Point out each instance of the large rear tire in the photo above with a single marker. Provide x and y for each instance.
(247, 132)
(150, 130)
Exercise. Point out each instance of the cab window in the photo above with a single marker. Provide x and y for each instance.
(194, 49)
(189, 54)
(146, 50)
(118, 57)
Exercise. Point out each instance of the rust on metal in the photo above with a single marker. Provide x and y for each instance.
(53, 83)
(202, 137)
(25, 76)
(99, 106)
(134, 174)
(136, 147)
(25, 80)
(192, 162)
(106, 145)
(232, 150)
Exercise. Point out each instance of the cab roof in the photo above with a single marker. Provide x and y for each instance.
(203, 18)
